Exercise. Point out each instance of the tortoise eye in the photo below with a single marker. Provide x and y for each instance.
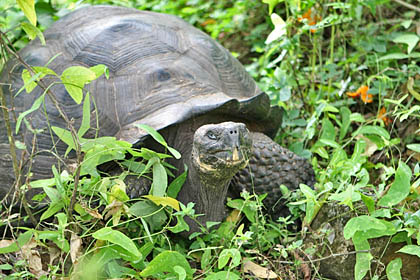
(211, 135)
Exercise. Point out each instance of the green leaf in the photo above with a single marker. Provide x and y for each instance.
(156, 135)
(393, 269)
(53, 208)
(411, 250)
(225, 275)
(360, 224)
(6, 266)
(181, 225)
(228, 254)
(345, 121)
(165, 262)
(28, 8)
(152, 214)
(101, 150)
(118, 238)
(84, 127)
(33, 31)
(29, 81)
(16, 246)
(393, 56)
(322, 152)
(206, 258)
(164, 201)
(271, 4)
(118, 191)
(64, 136)
(177, 184)
(35, 106)
(371, 129)
(362, 259)
(414, 147)
(243, 207)
(409, 39)
(330, 143)
(75, 78)
(399, 189)
(369, 202)
(180, 271)
(160, 179)
(99, 70)
(328, 130)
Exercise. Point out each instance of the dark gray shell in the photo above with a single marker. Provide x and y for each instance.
(162, 72)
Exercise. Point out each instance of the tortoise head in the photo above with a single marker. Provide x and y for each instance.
(221, 149)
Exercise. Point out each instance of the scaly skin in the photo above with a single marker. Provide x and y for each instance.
(270, 166)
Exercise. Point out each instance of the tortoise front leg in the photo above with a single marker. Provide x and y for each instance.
(271, 166)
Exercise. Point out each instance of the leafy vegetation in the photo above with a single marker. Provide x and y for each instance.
(347, 75)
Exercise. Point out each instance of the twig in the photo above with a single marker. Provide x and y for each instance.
(327, 257)
(407, 5)
(24, 201)
(9, 133)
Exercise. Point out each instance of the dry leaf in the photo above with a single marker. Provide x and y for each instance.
(304, 267)
(75, 248)
(371, 147)
(33, 258)
(54, 252)
(93, 212)
(5, 243)
(234, 216)
(258, 271)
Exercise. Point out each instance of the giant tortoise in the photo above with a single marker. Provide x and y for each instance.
(167, 74)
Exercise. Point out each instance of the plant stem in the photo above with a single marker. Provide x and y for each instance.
(331, 55)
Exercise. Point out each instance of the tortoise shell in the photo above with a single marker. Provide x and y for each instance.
(162, 71)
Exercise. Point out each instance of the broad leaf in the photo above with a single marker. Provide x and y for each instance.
(362, 259)
(410, 39)
(16, 246)
(393, 56)
(160, 179)
(65, 136)
(345, 121)
(156, 135)
(33, 31)
(399, 189)
(28, 8)
(393, 269)
(362, 223)
(228, 254)
(74, 79)
(165, 262)
(86, 116)
(164, 201)
(414, 147)
(411, 250)
(370, 129)
(225, 275)
(118, 238)
(176, 185)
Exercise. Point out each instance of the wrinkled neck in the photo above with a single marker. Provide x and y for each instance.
(211, 193)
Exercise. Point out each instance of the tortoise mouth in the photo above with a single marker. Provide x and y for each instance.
(218, 164)
(223, 160)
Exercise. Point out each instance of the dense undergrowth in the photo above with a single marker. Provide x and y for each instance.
(347, 75)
